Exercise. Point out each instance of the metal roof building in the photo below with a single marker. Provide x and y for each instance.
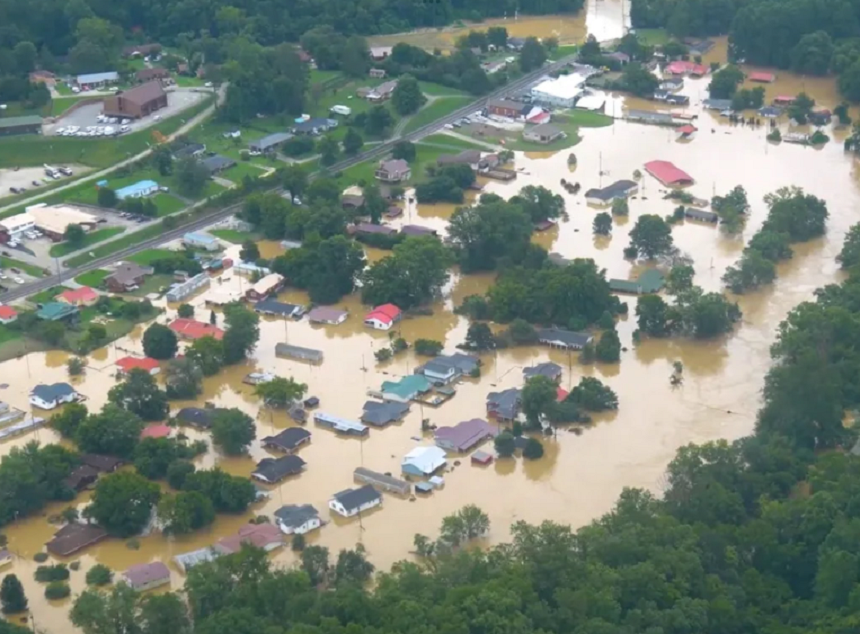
(381, 481)
(297, 352)
(269, 141)
(341, 425)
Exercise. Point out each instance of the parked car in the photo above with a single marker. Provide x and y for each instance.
(19, 280)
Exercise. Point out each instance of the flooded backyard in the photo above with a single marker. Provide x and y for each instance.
(580, 476)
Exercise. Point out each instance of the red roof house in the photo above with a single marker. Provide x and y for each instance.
(8, 314)
(560, 394)
(762, 77)
(687, 129)
(83, 296)
(127, 364)
(667, 173)
(783, 100)
(383, 317)
(192, 329)
(682, 67)
(155, 431)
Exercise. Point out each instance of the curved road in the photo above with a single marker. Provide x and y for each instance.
(375, 152)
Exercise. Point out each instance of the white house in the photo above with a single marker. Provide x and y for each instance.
(297, 519)
(51, 396)
(383, 317)
(423, 461)
(351, 502)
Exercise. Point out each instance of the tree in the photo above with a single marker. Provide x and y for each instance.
(352, 567)
(849, 256)
(497, 36)
(249, 252)
(479, 337)
(539, 203)
(483, 234)
(207, 353)
(653, 316)
(602, 225)
(651, 236)
(183, 379)
(99, 575)
(352, 142)
(185, 512)
(57, 590)
(69, 419)
(162, 159)
(178, 471)
(122, 502)
(725, 82)
(106, 197)
(12, 597)
(191, 177)
(159, 342)
(186, 311)
(504, 445)
(751, 271)
(404, 150)
(328, 149)
(114, 431)
(374, 203)
(533, 449)
(638, 80)
(812, 54)
(801, 108)
(428, 347)
(532, 55)
(467, 524)
(315, 563)
(407, 97)
(242, 333)
(538, 396)
(620, 207)
(413, 275)
(379, 120)
(233, 431)
(280, 392)
(593, 395)
(295, 180)
(75, 235)
(680, 278)
(608, 349)
(139, 393)
(104, 613)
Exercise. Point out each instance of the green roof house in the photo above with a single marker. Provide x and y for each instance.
(57, 311)
(405, 389)
(650, 281)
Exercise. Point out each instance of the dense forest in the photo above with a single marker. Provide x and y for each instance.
(812, 37)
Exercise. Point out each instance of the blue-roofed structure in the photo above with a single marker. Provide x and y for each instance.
(139, 189)
(98, 79)
(197, 240)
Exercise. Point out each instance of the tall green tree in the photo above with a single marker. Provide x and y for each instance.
(122, 503)
(233, 431)
(407, 97)
(139, 394)
(242, 333)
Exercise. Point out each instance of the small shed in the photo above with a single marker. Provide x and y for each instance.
(299, 353)
(482, 458)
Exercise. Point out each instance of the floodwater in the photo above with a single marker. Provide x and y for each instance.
(580, 476)
(601, 18)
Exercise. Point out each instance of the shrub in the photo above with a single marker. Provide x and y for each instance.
(57, 590)
(52, 573)
(99, 575)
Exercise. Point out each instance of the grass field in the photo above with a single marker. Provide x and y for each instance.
(435, 110)
(652, 37)
(113, 246)
(92, 278)
(94, 237)
(583, 119)
(563, 51)
(167, 204)
(322, 76)
(437, 90)
(240, 170)
(148, 256)
(231, 235)
(30, 269)
(455, 143)
(47, 295)
(36, 150)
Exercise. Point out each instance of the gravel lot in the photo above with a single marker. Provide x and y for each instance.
(178, 100)
(25, 176)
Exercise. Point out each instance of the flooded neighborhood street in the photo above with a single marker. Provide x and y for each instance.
(580, 475)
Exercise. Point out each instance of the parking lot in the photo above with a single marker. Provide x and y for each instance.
(86, 117)
(31, 179)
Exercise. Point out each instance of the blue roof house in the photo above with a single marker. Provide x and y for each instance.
(50, 396)
(199, 240)
(137, 190)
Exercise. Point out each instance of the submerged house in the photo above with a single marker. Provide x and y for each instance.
(381, 481)
(549, 370)
(297, 519)
(464, 436)
(341, 425)
(447, 368)
(423, 461)
(74, 537)
(288, 440)
(271, 470)
(299, 353)
(504, 405)
(569, 340)
(147, 576)
(351, 502)
(382, 414)
(406, 389)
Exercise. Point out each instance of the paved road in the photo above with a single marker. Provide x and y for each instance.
(188, 125)
(377, 151)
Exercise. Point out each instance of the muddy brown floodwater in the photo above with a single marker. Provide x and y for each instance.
(580, 477)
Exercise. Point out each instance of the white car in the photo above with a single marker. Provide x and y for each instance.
(3, 276)
(208, 84)
(76, 90)
(19, 280)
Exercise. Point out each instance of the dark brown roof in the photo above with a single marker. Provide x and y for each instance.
(143, 94)
(72, 537)
(81, 477)
(128, 273)
(151, 73)
(105, 464)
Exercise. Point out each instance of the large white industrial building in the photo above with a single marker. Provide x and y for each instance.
(561, 92)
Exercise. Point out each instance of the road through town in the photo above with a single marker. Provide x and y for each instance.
(204, 221)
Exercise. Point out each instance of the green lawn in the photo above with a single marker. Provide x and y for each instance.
(322, 76)
(570, 122)
(564, 51)
(7, 334)
(113, 246)
(455, 143)
(167, 204)
(148, 256)
(184, 81)
(652, 37)
(437, 90)
(60, 105)
(94, 237)
(37, 150)
(47, 295)
(231, 235)
(240, 170)
(8, 263)
(435, 110)
(152, 284)
(583, 119)
(92, 278)
(424, 156)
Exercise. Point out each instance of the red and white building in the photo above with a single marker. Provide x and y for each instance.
(127, 364)
(682, 67)
(156, 430)
(7, 315)
(667, 173)
(193, 329)
(268, 285)
(83, 296)
(383, 317)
